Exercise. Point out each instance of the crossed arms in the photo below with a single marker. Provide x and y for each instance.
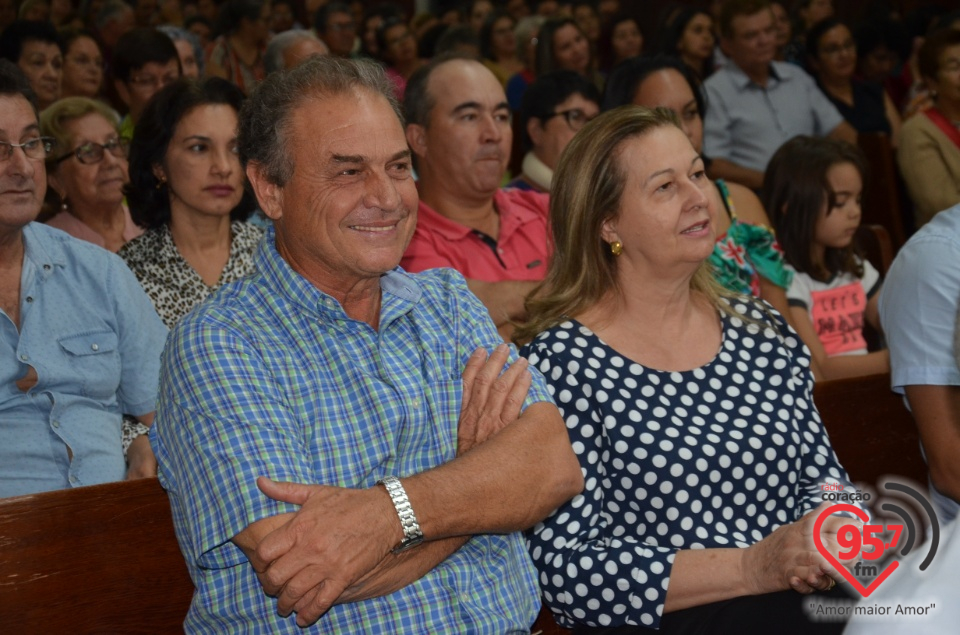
(511, 470)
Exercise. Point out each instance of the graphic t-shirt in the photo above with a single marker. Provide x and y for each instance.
(836, 307)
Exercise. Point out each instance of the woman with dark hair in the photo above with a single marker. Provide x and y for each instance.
(929, 151)
(689, 408)
(689, 37)
(621, 39)
(36, 49)
(187, 190)
(832, 60)
(498, 46)
(746, 258)
(562, 46)
(398, 50)
(237, 55)
(82, 64)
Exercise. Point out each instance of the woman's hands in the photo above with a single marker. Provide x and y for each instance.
(788, 559)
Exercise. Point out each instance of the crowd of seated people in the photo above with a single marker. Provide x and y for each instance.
(127, 202)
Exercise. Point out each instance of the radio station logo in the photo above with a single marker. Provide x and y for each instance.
(867, 543)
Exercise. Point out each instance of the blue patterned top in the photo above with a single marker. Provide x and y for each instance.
(270, 377)
(717, 456)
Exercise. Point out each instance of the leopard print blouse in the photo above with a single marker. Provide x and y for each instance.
(172, 284)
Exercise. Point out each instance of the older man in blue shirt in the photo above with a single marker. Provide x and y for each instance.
(755, 104)
(314, 433)
(79, 340)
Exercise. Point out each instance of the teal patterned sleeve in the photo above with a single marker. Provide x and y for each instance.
(765, 254)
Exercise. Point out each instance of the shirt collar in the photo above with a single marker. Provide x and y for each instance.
(42, 251)
(400, 291)
(511, 216)
(778, 73)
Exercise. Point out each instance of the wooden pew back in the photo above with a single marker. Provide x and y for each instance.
(870, 428)
(101, 559)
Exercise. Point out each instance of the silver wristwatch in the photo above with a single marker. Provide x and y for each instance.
(412, 536)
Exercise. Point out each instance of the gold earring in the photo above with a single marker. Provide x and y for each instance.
(161, 181)
(616, 248)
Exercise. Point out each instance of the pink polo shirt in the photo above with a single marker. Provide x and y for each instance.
(520, 252)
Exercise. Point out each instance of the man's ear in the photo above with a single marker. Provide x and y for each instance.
(417, 139)
(269, 195)
(535, 130)
(724, 46)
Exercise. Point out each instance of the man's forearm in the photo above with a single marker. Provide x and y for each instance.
(504, 300)
(505, 484)
(399, 570)
(724, 169)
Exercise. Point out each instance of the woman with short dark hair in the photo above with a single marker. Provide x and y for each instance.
(187, 190)
(929, 150)
(36, 49)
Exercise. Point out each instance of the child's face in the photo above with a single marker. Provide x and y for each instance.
(836, 226)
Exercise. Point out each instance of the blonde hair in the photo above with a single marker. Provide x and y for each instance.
(587, 187)
(54, 119)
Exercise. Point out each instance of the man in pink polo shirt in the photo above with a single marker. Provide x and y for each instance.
(458, 126)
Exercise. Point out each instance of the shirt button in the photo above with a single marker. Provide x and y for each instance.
(95, 347)
(29, 298)
(56, 424)
(46, 267)
(74, 479)
(23, 357)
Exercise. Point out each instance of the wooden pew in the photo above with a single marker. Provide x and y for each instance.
(101, 559)
(883, 194)
(870, 428)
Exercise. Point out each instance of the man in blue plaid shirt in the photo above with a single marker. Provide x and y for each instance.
(341, 452)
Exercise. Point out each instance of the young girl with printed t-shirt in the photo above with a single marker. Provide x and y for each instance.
(812, 191)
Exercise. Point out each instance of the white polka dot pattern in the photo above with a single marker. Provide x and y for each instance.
(718, 456)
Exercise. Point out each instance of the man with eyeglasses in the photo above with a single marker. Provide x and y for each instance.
(334, 25)
(80, 341)
(756, 103)
(459, 128)
(555, 107)
(144, 61)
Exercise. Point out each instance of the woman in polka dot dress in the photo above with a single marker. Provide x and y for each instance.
(690, 413)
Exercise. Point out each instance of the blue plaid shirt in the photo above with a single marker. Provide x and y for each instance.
(270, 377)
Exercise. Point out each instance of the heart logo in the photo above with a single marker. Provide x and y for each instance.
(865, 591)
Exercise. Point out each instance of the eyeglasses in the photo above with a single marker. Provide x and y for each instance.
(836, 49)
(342, 26)
(90, 152)
(36, 148)
(152, 81)
(575, 117)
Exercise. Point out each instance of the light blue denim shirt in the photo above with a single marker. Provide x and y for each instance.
(95, 340)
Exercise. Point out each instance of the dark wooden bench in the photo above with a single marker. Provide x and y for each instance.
(101, 559)
(871, 429)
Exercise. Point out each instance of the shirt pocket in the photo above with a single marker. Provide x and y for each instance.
(94, 360)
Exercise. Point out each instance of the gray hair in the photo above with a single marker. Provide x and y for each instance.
(525, 29)
(279, 43)
(176, 33)
(265, 119)
(110, 11)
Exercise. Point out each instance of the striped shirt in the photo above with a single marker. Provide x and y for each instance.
(271, 377)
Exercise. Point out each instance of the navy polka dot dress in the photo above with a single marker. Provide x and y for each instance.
(717, 456)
